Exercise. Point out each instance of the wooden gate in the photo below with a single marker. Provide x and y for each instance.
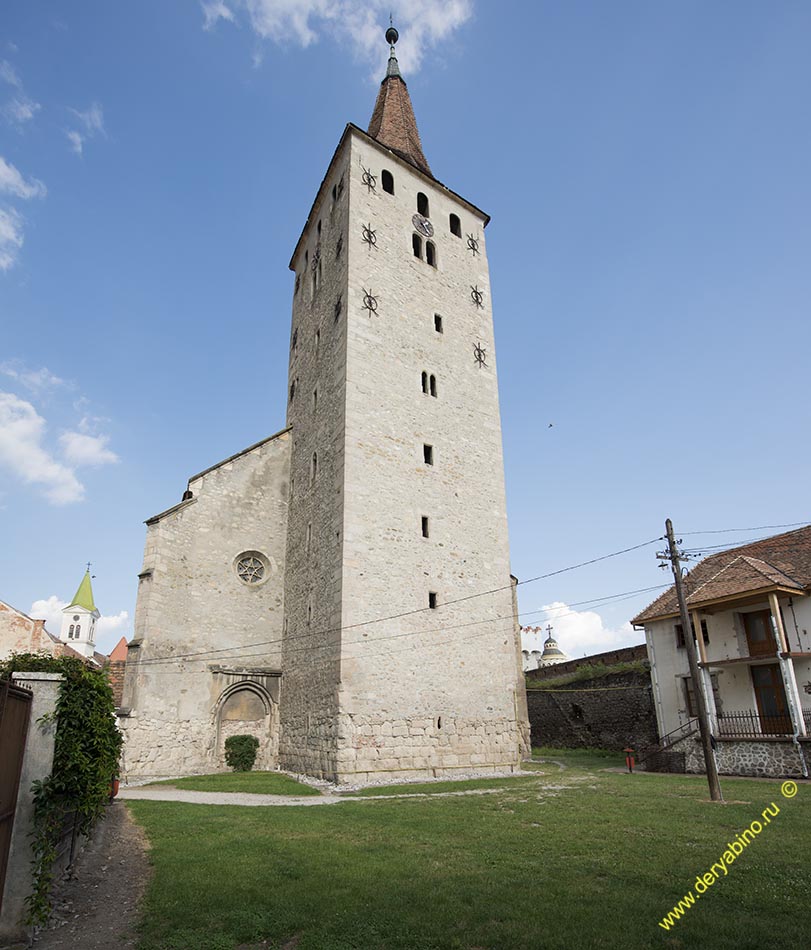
(15, 711)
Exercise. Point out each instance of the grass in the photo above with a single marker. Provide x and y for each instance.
(259, 783)
(590, 671)
(573, 859)
(580, 758)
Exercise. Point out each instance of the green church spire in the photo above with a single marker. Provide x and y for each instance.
(84, 595)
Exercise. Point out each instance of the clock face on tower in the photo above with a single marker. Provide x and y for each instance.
(423, 225)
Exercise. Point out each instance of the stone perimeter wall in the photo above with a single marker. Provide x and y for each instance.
(608, 719)
(778, 758)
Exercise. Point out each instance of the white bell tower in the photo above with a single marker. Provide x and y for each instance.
(79, 619)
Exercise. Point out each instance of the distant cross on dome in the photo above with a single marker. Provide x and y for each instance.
(549, 630)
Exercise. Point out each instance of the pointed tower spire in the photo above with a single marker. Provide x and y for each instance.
(84, 594)
(393, 123)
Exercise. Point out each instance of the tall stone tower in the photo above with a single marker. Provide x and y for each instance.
(79, 619)
(401, 651)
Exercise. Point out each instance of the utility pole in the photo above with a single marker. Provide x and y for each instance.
(672, 555)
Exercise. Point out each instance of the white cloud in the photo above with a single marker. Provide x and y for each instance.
(578, 632)
(20, 108)
(422, 23)
(92, 121)
(49, 610)
(35, 380)
(113, 624)
(12, 182)
(11, 237)
(22, 431)
(214, 10)
(76, 141)
(79, 448)
(9, 75)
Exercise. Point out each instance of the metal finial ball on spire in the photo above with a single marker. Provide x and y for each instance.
(392, 36)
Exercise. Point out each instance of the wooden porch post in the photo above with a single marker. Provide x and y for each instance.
(787, 668)
(706, 679)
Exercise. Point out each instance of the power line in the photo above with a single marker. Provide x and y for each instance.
(407, 613)
(558, 611)
(763, 527)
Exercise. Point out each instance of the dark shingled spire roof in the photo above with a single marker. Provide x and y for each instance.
(393, 123)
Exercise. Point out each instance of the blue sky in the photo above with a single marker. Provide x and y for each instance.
(646, 168)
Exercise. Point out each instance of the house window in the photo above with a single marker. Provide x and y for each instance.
(424, 520)
(690, 696)
(456, 225)
(428, 454)
(425, 382)
(432, 384)
(422, 204)
(437, 323)
(432, 599)
(430, 253)
(387, 181)
(680, 634)
(416, 245)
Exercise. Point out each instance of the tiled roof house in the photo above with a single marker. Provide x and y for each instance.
(752, 606)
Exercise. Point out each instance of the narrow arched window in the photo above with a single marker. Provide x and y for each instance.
(70, 628)
(314, 468)
(422, 204)
(456, 226)
(319, 229)
(387, 181)
(78, 630)
(433, 384)
(424, 382)
(416, 244)
(430, 253)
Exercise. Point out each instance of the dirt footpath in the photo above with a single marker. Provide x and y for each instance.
(96, 908)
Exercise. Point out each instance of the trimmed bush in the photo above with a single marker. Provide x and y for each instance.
(240, 752)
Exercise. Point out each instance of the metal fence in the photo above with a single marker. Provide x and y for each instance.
(751, 725)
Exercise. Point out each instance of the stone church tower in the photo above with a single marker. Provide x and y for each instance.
(355, 564)
(400, 652)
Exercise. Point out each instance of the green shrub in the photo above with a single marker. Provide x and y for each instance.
(240, 752)
(87, 745)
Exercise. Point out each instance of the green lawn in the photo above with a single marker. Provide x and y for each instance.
(574, 858)
(260, 783)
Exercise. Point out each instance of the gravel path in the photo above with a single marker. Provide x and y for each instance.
(169, 794)
(96, 906)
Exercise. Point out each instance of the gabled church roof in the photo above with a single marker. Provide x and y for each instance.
(393, 123)
(84, 595)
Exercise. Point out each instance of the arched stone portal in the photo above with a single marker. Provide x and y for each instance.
(245, 708)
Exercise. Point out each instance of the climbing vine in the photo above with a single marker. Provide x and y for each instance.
(87, 746)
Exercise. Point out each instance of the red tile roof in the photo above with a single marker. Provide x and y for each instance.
(394, 125)
(783, 561)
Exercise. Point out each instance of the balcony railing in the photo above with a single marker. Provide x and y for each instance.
(750, 725)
